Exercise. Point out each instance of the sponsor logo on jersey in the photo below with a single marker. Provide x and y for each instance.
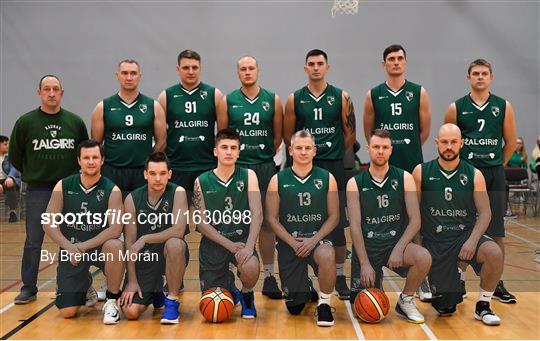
(463, 179)
(365, 189)
(330, 100)
(431, 178)
(143, 108)
(115, 109)
(383, 97)
(203, 94)
(237, 106)
(466, 112)
(288, 185)
(495, 111)
(441, 228)
(318, 183)
(409, 95)
(387, 235)
(240, 185)
(191, 138)
(302, 101)
(165, 207)
(265, 106)
(177, 95)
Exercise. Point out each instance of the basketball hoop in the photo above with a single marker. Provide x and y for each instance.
(344, 7)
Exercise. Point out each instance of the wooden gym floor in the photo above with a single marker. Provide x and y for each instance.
(41, 320)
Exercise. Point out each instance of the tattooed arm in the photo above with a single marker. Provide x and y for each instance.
(348, 121)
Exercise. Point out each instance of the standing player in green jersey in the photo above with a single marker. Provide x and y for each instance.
(401, 107)
(384, 217)
(327, 113)
(455, 214)
(130, 125)
(91, 201)
(42, 147)
(228, 214)
(190, 110)
(158, 213)
(302, 207)
(485, 121)
(257, 114)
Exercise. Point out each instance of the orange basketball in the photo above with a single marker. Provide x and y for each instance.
(216, 304)
(371, 305)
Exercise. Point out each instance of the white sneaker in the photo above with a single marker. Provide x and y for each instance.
(484, 313)
(423, 292)
(406, 308)
(111, 312)
(91, 297)
(102, 289)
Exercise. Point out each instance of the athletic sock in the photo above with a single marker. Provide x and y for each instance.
(484, 295)
(171, 297)
(324, 298)
(109, 295)
(268, 270)
(339, 269)
(462, 274)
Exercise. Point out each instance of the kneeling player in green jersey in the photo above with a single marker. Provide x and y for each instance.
(228, 214)
(88, 203)
(302, 206)
(384, 216)
(154, 242)
(455, 215)
(257, 114)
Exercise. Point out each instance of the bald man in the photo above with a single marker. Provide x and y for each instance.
(455, 212)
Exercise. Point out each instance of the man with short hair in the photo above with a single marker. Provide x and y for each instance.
(257, 114)
(455, 215)
(190, 111)
(328, 113)
(485, 121)
(92, 239)
(10, 179)
(128, 123)
(401, 107)
(228, 214)
(384, 217)
(43, 143)
(302, 207)
(158, 212)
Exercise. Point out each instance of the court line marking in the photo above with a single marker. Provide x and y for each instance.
(535, 244)
(528, 227)
(429, 333)
(354, 321)
(17, 282)
(11, 305)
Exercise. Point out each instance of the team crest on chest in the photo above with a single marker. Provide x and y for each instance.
(53, 130)
(143, 108)
(409, 95)
(330, 100)
(394, 184)
(265, 105)
(240, 185)
(318, 183)
(203, 94)
(463, 179)
(100, 194)
(165, 206)
(495, 111)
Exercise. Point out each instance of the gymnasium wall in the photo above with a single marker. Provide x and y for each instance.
(82, 41)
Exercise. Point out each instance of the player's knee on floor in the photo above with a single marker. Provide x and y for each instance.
(69, 312)
(133, 312)
(296, 309)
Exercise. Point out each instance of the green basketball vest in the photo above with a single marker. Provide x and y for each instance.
(191, 120)
(322, 117)
(398, 112)
(254, 120)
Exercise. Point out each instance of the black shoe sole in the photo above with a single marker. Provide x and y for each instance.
(509, 301)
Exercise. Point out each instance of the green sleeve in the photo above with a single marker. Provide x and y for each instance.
(16, 146)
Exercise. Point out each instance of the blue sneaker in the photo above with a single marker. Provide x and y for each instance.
(158, 300)
(248, 305)
(236, 294)
(170, 313)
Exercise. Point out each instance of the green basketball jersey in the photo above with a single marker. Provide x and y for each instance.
(447, 205)
(303, 202)
(78, 199)
(382, 205)
(254, 120)
(129, 130)
(162, 210)
(482, 130)
(227, 203)
(191, 120)
(398, 112)
(322, 117)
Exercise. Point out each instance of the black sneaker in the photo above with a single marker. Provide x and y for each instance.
(484, 313)
(463, 288)
(324, 315)
(341, 287)
(314, 296)
(446, 311)
(13, 217)
(24, 297)
(503, 295)
(271, 289)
